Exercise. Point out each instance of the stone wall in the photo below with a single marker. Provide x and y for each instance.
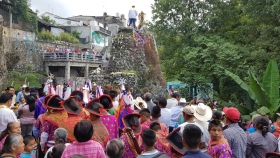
(19, 51)
(132, 57)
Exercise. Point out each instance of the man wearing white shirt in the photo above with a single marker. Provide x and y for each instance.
(6, 114)
(132, 14)
(188, 113)
(165, 113)
(173, 101)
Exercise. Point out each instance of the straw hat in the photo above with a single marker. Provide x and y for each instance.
(138, 101)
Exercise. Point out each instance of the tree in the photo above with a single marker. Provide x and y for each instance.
(48, 19)
(265, 95)
(200, 39)
(75, 34)
(21, 10)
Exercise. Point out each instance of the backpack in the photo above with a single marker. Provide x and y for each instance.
(161, 155)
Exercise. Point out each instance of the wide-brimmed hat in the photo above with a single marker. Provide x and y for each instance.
(132, 121)
(182, 101)
(175, 140)
(106, 101)
(138, 101)
(203, 112)
(95, 108)
(79, 95)
(72, 105)
(46, 99)
(55, 102)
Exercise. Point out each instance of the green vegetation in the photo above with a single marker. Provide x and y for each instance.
(75, 34)
(68, 38)
(199, 40)
(48, 36)
(21, 10)
(266, 95)
(47, 19)
(18, 79)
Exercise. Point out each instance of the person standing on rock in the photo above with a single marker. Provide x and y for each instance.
(132, 14)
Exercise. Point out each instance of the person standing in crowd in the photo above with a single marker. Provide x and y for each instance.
(74, 110)
(148, 100)
(261, 141)
(11, 90)
(161, 144)
(218, 146)
(110, 121)
(29, 145)
(145, 118)
(55, 113)
(132, 14)
(96, 110)
(188, 114)
(131, 121)
(56, 151)
(26, 115)
(60, 137)
(13, 146)
(191, 141)
(6, 114)
(115, 148)
(203, 114)
(21, 93)
(12, 128)
(277, 126)
(39, 108)
(156, 113)
(83, 132)
(174, 100)
(235, 135)
(176, 112)
(165, 113)
(149, 140)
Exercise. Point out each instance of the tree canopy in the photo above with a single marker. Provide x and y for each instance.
(200, 39)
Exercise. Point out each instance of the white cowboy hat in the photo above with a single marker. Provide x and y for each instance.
(139, 100)
(203, 112)
(182, 101)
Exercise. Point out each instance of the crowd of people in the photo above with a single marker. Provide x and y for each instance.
(114, 125)
(61, 53)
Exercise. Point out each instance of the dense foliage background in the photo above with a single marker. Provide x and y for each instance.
(199, 40)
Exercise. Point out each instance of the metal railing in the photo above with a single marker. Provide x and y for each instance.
(78, 57)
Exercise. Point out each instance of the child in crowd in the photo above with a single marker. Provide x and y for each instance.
(28, 152)
(218, 146)
(22, 101)
(56, 151)
(12, 128)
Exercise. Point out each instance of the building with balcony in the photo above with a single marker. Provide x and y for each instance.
(68, 65)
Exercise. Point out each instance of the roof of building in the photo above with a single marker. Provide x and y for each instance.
(60, 17)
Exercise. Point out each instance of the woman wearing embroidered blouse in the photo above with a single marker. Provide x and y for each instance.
(13, 146)
(26, 115)
(261, 141)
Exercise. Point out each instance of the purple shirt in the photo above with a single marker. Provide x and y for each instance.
(39, 109)
(111, 124)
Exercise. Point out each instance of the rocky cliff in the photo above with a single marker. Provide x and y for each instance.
(133, 57)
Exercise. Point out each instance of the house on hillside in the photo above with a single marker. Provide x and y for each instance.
(63, 21)
(56, 30)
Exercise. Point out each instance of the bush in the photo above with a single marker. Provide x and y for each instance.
(46, 35)
(68, 38)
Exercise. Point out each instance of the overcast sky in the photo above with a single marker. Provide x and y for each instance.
(68, 8)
